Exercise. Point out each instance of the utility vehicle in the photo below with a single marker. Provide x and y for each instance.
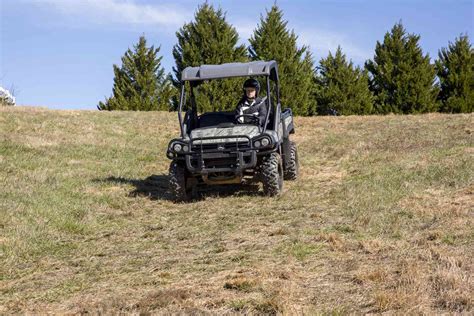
(216, 149)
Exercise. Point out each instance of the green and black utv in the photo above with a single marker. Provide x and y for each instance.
(216, 149)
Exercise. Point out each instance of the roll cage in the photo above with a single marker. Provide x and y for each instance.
(197, 75)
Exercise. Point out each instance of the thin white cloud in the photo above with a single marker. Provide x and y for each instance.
(322, 42)
(118, 12)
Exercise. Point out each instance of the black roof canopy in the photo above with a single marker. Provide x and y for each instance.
(208, 72)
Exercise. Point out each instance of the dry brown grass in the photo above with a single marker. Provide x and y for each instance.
(380, 221)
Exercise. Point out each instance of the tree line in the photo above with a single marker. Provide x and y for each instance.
(399, 79)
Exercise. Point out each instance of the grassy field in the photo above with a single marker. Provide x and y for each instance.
(380, 220)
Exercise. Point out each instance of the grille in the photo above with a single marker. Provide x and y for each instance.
(216, 146)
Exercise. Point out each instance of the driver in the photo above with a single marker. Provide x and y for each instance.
(251, 104)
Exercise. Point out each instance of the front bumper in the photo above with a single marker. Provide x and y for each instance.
(235, 162)
(220, 154)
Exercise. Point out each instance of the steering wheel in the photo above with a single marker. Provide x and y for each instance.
(253, 119)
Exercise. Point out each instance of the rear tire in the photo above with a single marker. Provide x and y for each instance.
(178, 182)
(292, 170)
(271, 172)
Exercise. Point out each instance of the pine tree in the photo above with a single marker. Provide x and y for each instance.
(140, 83)
(402, 78)
(209, 39)
(272, 40)
(455, 70)
(343, 88)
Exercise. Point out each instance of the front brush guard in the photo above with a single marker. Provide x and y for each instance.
(221, 152)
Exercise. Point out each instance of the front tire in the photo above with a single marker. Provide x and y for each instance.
(178, 182)
(271, 171)
(292, 170)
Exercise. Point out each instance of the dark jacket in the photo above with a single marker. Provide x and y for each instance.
(258, 108)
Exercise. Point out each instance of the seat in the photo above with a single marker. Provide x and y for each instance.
(215, 118)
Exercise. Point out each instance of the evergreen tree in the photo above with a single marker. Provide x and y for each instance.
(343, 88)
(140, 83)
(455, 69)
(210, 39)
(272, 40)
(402, 78)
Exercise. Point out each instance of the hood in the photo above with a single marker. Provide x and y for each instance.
(244, 129)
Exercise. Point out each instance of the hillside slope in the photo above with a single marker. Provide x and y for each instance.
(381, 219)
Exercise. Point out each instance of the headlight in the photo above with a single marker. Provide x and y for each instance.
(177, 146)
(262, 142)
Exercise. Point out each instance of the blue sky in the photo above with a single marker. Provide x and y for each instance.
(59, 53)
